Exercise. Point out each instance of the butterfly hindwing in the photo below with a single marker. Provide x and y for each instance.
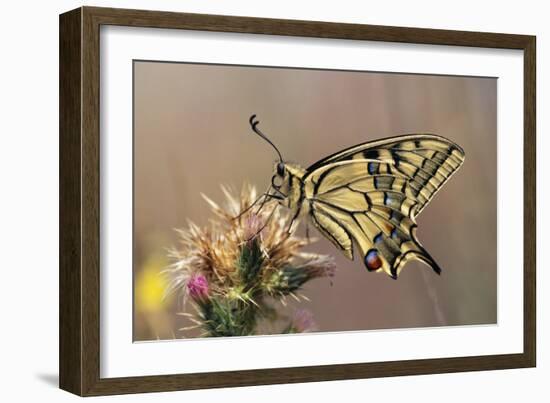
(384, 235)
(334, 231)
(372, 193)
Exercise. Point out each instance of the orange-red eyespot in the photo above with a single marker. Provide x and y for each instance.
(372, 260)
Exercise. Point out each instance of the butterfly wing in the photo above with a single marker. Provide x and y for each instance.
(426, 160)
(372, 193)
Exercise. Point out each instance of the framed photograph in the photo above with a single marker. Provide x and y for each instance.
(251, 201)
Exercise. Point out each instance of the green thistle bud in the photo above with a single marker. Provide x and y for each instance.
(249, 262)
(291, 278)
(222, 317)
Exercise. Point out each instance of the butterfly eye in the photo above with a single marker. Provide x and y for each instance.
(277, 181)
(281, 169)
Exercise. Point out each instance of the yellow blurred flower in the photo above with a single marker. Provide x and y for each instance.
(151, 286)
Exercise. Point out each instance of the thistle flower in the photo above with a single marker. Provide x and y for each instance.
(291, 277)
(197, 287)
(302, 322)
(231, 267)
(252, 227)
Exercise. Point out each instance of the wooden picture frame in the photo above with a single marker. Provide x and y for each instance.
(80, 186)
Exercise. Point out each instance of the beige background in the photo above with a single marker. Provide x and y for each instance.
(192, 134)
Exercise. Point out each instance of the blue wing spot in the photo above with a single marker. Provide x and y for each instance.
(393, 201)
(396, 237)
(372, 167)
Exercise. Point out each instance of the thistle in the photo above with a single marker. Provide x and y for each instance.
(302, 322)
(197, 287)
(238, 270)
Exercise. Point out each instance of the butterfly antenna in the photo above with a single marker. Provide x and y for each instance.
(264, 195)
(243, 212)
(254, 124)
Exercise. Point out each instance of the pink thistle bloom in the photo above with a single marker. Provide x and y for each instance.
(303, 322)
(197, 287)
(252, 227)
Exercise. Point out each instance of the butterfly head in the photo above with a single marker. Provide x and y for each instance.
(280, 169)
(284, 176)
(280, 178)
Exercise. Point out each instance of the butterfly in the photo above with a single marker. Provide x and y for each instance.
(369, 195)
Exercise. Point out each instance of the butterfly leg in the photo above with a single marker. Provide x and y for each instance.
(293, 223)
(263, 226)
(264, 197)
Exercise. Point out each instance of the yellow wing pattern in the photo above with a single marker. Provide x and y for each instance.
(371, 194)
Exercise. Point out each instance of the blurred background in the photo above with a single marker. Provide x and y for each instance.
(192, 135)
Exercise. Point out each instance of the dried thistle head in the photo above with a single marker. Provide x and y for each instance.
(242, 256)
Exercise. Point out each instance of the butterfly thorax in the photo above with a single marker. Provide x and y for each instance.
(292, 186)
